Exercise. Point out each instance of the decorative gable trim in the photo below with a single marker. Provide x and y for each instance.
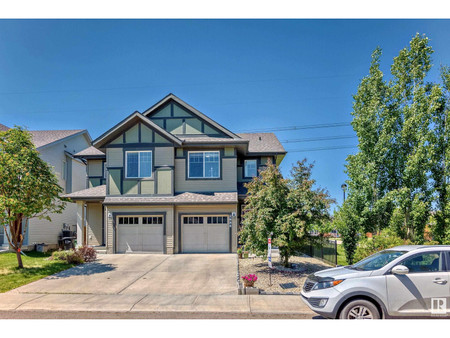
(122, 126)
(194, 111)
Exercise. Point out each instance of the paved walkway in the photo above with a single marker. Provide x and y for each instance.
(13, 305)
(147, 286)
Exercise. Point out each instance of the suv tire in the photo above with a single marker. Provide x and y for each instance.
(360, 309)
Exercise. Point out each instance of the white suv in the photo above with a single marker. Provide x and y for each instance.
(405, 281)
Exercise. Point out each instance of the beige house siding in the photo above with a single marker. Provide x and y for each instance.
(41, 230)
(169, 223)
(227, 183)
(147, 187)
(114, 157)
(164, 156)
(95, 167)
(164, 178)
(206, 209)
(94, 215)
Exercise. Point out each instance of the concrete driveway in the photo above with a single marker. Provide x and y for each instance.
(145, 274)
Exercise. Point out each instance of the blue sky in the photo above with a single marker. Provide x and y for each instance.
(245, 74)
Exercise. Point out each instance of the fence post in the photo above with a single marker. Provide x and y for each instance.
(321, 247)
(335, 252)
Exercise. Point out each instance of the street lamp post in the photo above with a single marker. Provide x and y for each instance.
(344, 187)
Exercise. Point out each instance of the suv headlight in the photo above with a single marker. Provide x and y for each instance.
(325, 284)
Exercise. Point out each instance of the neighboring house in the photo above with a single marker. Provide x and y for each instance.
(168, 180)
(57, 148)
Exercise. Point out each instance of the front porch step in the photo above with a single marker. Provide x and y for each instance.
(100, 249)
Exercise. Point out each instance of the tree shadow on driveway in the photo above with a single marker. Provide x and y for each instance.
(86, 269)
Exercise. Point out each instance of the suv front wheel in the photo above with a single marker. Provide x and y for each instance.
(360, 309)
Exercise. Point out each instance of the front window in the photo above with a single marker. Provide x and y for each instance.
(138, 164)
(377, 261)
(250, 168)
(204, 164)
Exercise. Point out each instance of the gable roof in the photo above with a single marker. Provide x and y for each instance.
(42, 138)
(98, 192)
(127, 122)
(45, 137)
(266, 143)
(202, 116)
(90, 152)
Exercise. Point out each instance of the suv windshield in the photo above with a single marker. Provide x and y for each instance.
(377, 261)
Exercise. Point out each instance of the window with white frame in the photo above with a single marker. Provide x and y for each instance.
(138, 164)
(204, 164)
(250, 168)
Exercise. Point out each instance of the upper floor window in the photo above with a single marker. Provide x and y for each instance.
(204, 164)
(138, 164)
(250, 168)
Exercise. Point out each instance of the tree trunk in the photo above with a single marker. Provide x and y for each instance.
(286, 260)
(19, 259)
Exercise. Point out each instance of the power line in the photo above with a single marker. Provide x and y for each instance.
(310, 126)
(313, 139)
(151, 85)
(320, 149)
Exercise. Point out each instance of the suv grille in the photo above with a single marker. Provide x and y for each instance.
(308, 285)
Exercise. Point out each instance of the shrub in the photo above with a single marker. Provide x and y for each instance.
(385, 240)
(61, 255)
(88, 253)
(75, 258)
(69, 256)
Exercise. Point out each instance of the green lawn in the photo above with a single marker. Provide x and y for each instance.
(341, 255)
(35, 267)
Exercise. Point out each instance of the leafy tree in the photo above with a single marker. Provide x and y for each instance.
(28, 186)
(287, 208)
(403, 148)
(263, 206)
(439, 138)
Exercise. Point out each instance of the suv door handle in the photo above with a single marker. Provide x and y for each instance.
(440, 281)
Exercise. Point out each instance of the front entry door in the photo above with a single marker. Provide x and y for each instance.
(414, 293)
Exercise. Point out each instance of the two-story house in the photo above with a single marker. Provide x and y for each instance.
(57, 148)
(168, 180)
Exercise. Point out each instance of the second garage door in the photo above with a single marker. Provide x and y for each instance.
(140, 233)
(205, 233)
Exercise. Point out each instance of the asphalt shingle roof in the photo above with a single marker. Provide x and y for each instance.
(263, 143)
(91, 151)
(183, 198)
(44, 137)
(96, 192)
(3, 127)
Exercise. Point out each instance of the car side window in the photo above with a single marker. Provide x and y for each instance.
(425, 262)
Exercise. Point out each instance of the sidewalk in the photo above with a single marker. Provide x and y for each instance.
(145, 306)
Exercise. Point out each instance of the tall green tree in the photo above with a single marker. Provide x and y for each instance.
(400, 167)
(28, 187)
(439, 138)
(287, 208)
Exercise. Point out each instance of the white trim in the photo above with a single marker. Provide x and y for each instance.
(203, 151)
(139, 166)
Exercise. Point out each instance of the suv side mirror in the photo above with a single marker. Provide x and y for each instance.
(400, 270)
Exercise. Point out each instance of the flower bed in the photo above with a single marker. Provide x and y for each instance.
(303, 266)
